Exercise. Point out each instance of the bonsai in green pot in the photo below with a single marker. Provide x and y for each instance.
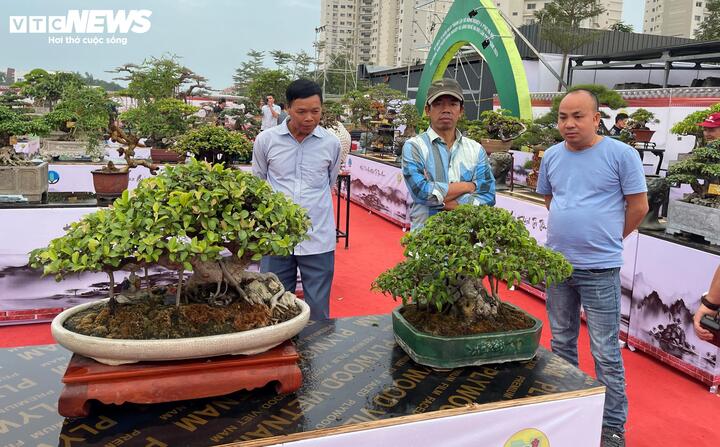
(452, 314)
(182, 219)
(207, 142)
(699, 212)
(496, 129)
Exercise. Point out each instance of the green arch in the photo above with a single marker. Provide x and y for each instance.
(501, 55)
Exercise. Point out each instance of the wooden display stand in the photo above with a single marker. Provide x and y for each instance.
(156, 382)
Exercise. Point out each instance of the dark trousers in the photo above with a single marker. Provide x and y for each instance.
(316, 273)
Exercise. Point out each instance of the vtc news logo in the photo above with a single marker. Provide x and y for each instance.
(86, 21)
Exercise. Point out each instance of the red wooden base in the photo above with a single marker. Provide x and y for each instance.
(155, 382)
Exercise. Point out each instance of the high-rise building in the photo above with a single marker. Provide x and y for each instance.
(678, 18)
(400, 32)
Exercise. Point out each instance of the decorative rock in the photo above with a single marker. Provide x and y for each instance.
(695, 219)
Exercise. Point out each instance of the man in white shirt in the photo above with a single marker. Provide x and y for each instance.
(270, 113)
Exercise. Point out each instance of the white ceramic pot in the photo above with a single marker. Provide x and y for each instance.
(118, 351)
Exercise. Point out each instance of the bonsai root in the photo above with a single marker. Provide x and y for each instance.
(229, 278)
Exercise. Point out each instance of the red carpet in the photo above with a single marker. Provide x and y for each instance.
(667, 408)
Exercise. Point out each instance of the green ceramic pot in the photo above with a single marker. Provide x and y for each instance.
(455, 352)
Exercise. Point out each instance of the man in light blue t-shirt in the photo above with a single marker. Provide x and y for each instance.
(595, 190)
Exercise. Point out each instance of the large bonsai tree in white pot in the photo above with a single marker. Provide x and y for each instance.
(184, 219)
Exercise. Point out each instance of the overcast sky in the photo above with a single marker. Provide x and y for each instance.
(212, 36)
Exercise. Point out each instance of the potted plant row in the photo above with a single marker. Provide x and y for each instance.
(183, 219)
(449, 284)
(214, 144)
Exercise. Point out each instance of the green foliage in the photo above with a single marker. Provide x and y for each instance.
(689, 125)
(269, 82)
(366, 105)
(469, 242)
(160, 120)
(702, 164)
(640, 118)
(606, 96)
(248, 71)
(332, 114)
(496, 124)
(408, 116)
(537, 134)
(14, 123)
(47, 88)
(560, 24)
(709, 29)
(206, 139)
(108, 86)
(89, 108)
(186, 214)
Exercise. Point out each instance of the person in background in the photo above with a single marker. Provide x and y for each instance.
(595, 190)
(283, 114)
(217, 110)
(711, 127)
(620, 122)
(709, 305)
(270, 113)
(301, 159)
(442, 168)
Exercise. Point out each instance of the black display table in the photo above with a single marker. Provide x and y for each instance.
(357, 385)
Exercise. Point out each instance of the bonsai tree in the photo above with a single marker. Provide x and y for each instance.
(640, 118)
(83, 112)
(496, 125)
(14, 123)
(46, 89)
(205, 141)
(161, 121)
(455, 263)
(408, 116)
(159, 86)
(183, 219)
(703, 164)
(689, 125)
(536, 136)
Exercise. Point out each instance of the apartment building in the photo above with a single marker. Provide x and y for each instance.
(400, 32)
(677, 18)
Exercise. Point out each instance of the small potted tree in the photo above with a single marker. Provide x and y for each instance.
(83, 114)
(451, 314)
(699, 212)
(18, 175)
(495, 130)
(182, 219)
(637, 125)
(538, 138)
(207, 142)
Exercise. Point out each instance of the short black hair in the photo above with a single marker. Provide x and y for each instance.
(301, 89)
(621, 116)
(221, 101)
(593, 96)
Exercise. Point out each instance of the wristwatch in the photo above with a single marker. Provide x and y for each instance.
(708, 304)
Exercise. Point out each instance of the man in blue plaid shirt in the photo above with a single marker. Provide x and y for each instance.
(443, 168)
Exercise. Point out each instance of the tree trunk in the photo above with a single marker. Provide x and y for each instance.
(147, 280)
(562, 71)
(111, 275)
(179, 288)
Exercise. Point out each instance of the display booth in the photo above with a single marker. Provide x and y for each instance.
(359, 388)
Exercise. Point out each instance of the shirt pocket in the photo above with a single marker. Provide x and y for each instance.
(315, 176)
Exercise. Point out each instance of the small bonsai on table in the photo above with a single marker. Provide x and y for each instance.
(206, 142)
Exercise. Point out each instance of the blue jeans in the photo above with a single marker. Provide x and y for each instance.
(316, 273)
(598, 291)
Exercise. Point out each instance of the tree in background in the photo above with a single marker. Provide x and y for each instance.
(622, 27)
(46, 88)
(88, 79)
(560, 24)
(248, 70)
(709, 29)
(269, 82)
